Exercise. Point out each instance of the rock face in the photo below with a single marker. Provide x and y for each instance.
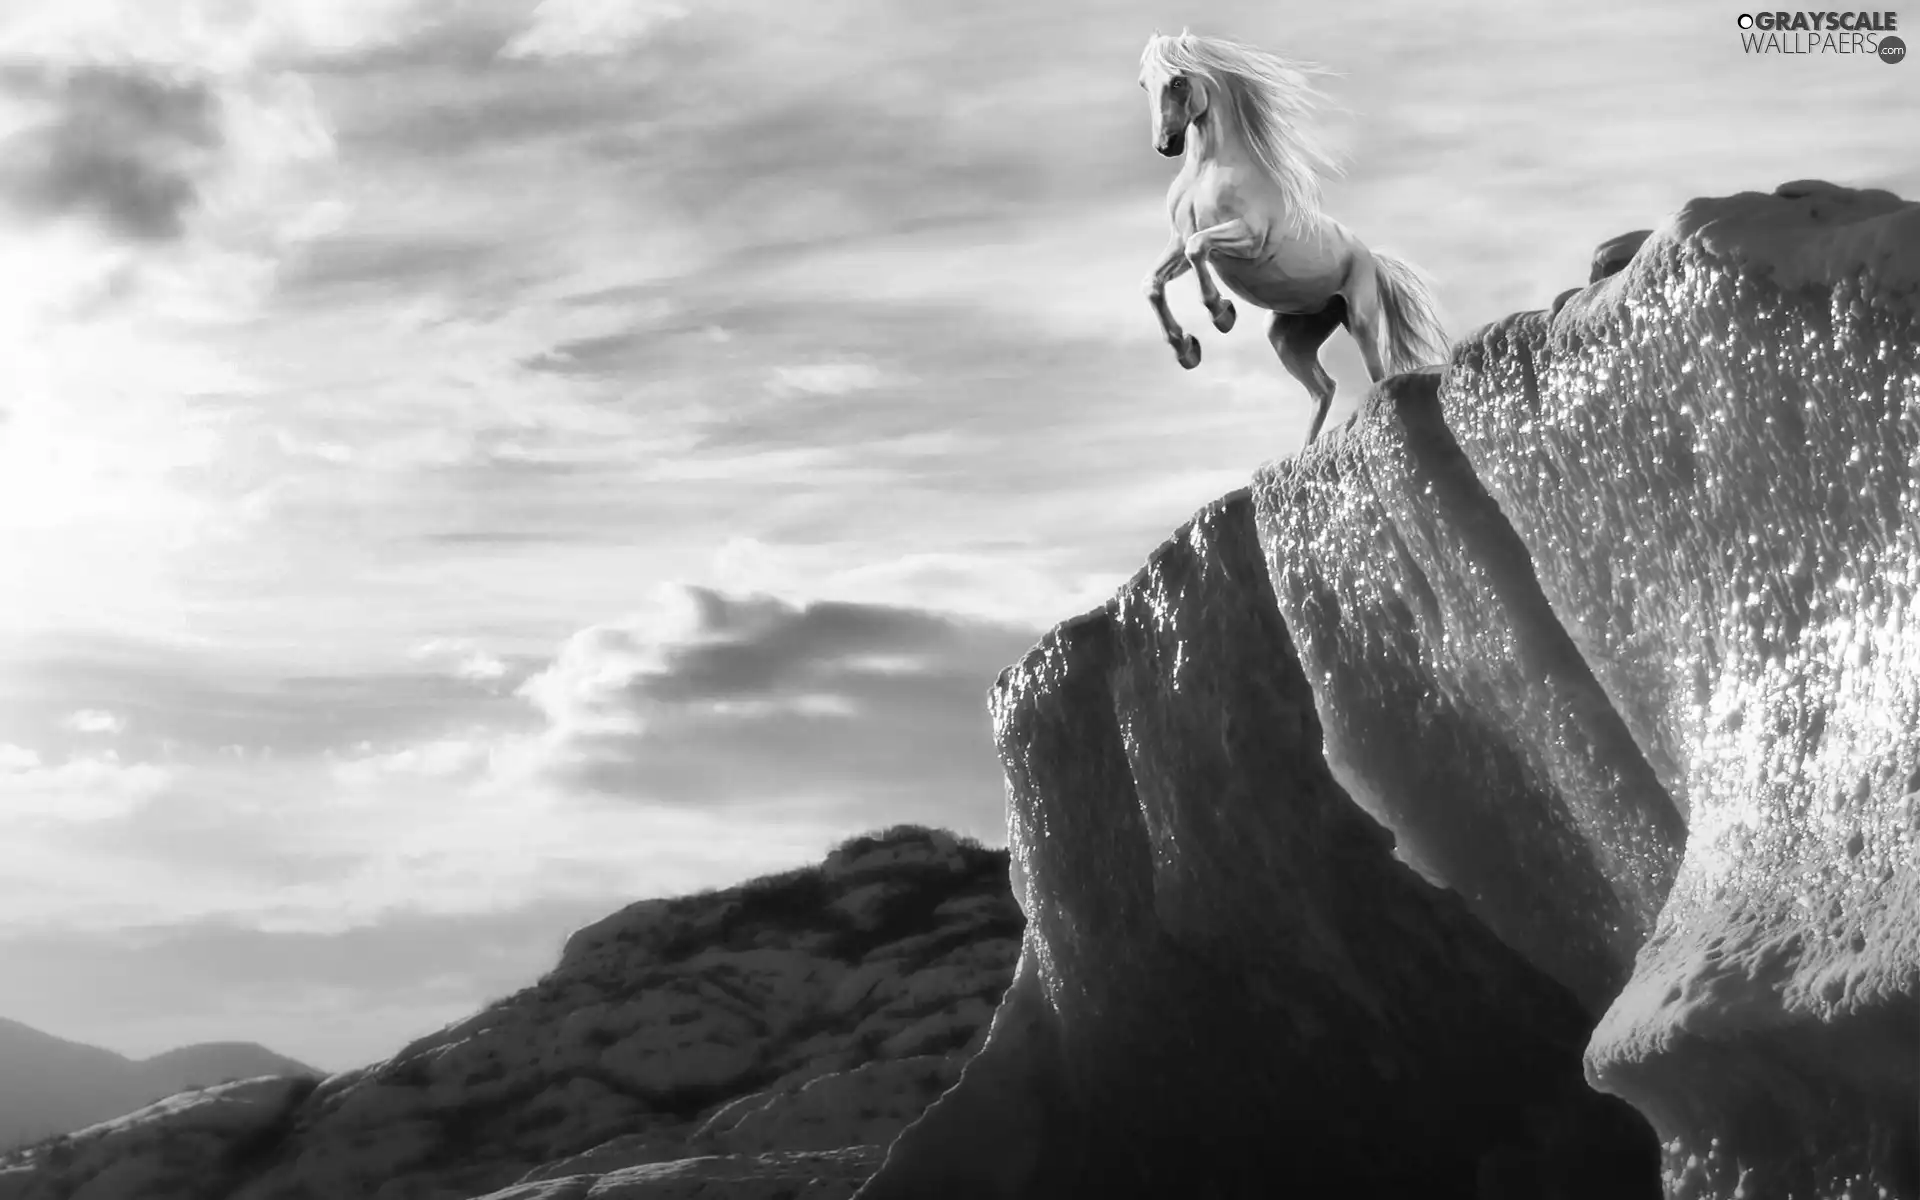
(1612, 256)
(781, 1175)
(1224, 956)
(196, 1144)
(1713, 457)
(1456, 708)
(866, 1106)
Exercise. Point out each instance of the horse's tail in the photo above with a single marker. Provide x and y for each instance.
(1415, 337)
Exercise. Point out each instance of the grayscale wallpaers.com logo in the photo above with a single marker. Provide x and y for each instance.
(1868, 33)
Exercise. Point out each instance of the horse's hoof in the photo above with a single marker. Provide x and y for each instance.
(1223, 316)
(1189, 353)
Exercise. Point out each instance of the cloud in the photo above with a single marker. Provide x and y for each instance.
(346, 263)
(95, 720)
(590, 28)
(84, 788)
(457, 760)
(123, 145)
(827, 379)
(209, 33)
(462, 658)
(709, 699)
(473, 106)
(611, 354)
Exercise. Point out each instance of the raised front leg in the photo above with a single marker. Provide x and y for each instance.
(1172, 265)
(1231, 236)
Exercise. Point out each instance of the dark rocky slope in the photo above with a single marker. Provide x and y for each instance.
(819, 1010)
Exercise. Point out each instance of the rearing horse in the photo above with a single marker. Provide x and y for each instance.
(1247, 204)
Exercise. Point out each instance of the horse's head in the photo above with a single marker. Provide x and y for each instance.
(1176, 98)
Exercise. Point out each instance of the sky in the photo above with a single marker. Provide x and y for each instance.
(468, 466)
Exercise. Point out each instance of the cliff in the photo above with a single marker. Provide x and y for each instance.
(1607, 622)
(1714, 460)
(1230, 986)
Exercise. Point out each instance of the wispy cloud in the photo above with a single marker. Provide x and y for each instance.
(95, 720)
(827, 379)
(463, 657)
(589, 28)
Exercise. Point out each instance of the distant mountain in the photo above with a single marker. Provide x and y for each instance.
(50, 1085)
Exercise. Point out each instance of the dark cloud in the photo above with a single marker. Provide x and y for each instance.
(878, 709)
(609, 354)
(122, 145)
(429, 108)
(346, 262)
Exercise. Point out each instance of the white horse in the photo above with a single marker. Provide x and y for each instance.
(1247, 204)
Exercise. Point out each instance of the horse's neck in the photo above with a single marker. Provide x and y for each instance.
(1219, 140)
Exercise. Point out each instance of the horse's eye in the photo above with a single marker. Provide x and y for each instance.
(1179, 84)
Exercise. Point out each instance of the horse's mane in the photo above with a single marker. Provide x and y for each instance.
(1271, 99)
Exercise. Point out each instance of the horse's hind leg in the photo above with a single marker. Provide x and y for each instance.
(1365, 319)
(1297, 338)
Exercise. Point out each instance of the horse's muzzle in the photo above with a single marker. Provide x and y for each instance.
(1173, 145)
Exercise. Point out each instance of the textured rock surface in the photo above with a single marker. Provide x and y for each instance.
(866, 1106)
(891, 957)
(1714, 458)
(1229, 986)
(189, 1146)
(1612, 256)
(780, 1175)
(1456, 708)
